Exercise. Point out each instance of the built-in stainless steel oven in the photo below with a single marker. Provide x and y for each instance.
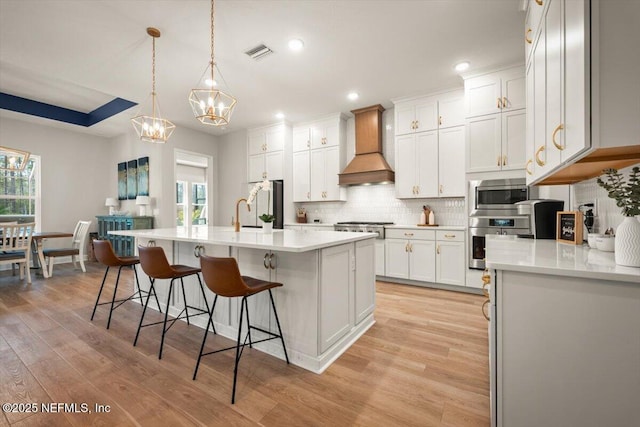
(479, 227)
(498, 196)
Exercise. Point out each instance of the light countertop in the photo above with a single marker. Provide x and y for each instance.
(278, 240)
(560, 259)
(310, 224)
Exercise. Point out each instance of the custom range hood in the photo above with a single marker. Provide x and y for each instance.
(368, 166)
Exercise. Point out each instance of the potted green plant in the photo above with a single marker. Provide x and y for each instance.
(627, 196)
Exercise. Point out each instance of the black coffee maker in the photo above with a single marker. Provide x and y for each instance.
(542, 216)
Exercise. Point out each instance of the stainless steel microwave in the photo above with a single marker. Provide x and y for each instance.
(498, 196)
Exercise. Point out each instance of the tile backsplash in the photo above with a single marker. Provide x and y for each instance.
(379, 203)
(608, 214)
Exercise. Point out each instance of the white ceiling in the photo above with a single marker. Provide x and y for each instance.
(79, 54)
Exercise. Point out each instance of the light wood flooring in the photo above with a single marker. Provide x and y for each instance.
(424, 363)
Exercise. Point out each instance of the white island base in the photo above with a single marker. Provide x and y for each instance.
(325, 305)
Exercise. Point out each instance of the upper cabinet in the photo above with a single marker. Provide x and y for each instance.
(430, 162)
(265, 146)
(318, 158)
(496, 120)
(582, 89)
(497, 92)
(429, 113)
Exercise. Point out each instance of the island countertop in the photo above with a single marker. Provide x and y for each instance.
(278, 240)
(550, 257)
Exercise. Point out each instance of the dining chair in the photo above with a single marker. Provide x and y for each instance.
(15, 246)
(13, 266)
(77, 249)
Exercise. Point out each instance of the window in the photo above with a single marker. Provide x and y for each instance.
(191, 196)
(20, 195)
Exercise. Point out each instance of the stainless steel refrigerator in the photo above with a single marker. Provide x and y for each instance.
(261, 206)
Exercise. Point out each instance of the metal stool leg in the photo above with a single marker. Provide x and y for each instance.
(113, 299)
(166, 315)
(204, 296)
(184, 299)
(99, 293)
(238, 354)
(246, 304)
(278, 323)
(154, 291)
(144, 310)
(204, 339)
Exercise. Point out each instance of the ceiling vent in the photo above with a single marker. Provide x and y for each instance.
(259, 52)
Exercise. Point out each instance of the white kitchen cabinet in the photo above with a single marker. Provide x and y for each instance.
(450, 260)
(417, 165)
(325, 133)
(495, 92)
(325, 167)
(410, 254)
(318, 158)
(532, 23)
(379, 257)
(429, 113)
(416, 116)
(301, 138)
(496, 142)
(301, 176)
(265, 146)
(556, 86)
(365, 296)
(451, 176)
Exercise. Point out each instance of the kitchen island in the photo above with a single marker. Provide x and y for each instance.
(327, 300)
(564, 335)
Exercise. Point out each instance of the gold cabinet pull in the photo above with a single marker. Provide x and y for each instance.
(449, 236)
(484, 304)
(486, 281)
(527, 167)
(504, 160)
(553, 136)
(526, 36)
(413, 124)
(408, 234)
(539, 2)
(439, 120)
(538, 161)
(308, 143)
(417, 189)
(438, 249)
(499, 103)
(406, 247)
(417, 124)
(441, 188)
(410, 247)
(498, 161)
(505, 102)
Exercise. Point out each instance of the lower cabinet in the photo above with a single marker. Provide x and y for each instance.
(379, 245)
(426, 256)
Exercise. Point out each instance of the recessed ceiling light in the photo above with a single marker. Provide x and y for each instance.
(296, 45)
(353, 96)
(279, 115)
(462, 66)
(210, 82)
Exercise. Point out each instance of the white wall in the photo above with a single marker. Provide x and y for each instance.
(74, 166)
(161, 169)
(232, 175)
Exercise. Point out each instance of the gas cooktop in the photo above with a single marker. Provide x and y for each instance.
(364, 223)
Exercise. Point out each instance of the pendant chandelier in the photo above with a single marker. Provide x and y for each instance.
(211, 106)
(153, 128)
(12, 159)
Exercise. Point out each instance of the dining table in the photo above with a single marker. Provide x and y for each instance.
(37, 240)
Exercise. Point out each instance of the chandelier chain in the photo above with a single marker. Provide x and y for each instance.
(212, 39)
(153, 66)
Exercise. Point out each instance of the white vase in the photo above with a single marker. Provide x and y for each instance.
(267, 227)
(628, 243)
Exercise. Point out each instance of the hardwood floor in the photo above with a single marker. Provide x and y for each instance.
(424, 363)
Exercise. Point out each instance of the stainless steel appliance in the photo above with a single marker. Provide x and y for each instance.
(542, 216)
(274, 198)
(494, 211)
(479, 227)
(498, 196)
(361, 226)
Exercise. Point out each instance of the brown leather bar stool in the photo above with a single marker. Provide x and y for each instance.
(223, 278)
(105, 255)
(155, 265)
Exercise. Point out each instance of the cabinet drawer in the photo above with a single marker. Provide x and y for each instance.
(449, 235)
(410, 234)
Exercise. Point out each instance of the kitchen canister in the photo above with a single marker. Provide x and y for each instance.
(432, 218)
